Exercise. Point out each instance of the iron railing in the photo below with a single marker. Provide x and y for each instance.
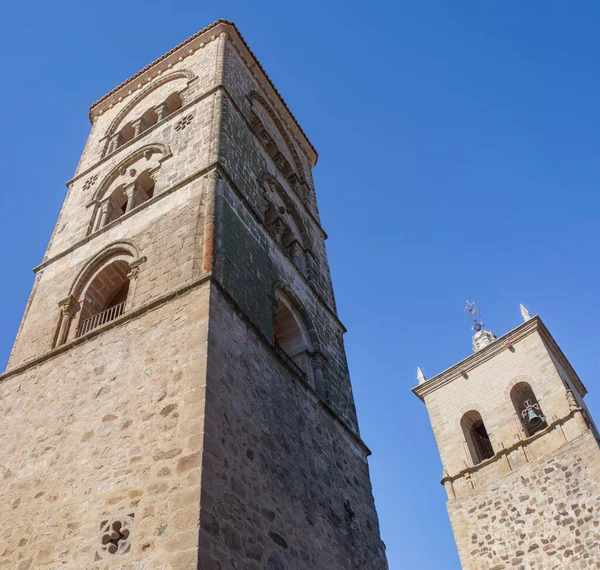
(289, 361)
(101, 318)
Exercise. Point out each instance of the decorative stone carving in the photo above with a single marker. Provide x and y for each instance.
(90, 182)
(525, 314)
(183, 123)
(482, 339)
(278, 227)
(115, 536)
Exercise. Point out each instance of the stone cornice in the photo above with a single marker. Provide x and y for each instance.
(499, 345)
(188, 47)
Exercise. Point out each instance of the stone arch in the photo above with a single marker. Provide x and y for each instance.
(117, 250)
(282, 288)
(527, 408)
(146, 151)
(159, 82)
(147, 161)
(267, 178)
(255, 96)
(476, 436)
(101, 292)
(514, 381)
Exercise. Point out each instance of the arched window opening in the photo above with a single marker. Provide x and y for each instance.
(136, 127)
(291, 338)
(105, 297)
(527, 408)
(125, 198)
(149, 118)
(126, 134)
(117, 204)
(144, 188)
(283, 227)
(174, 103)
(476, 437)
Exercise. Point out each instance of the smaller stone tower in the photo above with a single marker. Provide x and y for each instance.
(520, 453)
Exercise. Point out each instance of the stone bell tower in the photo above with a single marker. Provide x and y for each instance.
(520, 453)
(178, 395)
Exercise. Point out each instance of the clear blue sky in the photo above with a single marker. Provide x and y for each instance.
(458, 150)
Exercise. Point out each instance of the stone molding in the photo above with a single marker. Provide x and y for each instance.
(144, 151)
(505, 342)
(146, 204)
(574, 411)
(358, 444)
(161, 80)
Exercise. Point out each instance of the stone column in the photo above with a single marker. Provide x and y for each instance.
(318, 362)
(137, 127)
(134, 271)
(104, 211)
(114, 143)
(161, 111)
(130, 193)
(67, 308)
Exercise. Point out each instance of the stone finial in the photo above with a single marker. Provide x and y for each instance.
(525, 314)
(420, 376)
(482, 338)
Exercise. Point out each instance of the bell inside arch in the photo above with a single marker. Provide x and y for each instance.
(533, 418)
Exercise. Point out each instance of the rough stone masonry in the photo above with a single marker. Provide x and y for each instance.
(520, 454)
(178, 394)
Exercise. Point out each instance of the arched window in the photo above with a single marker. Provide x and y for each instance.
(527, 408)
(135, 127)
(173, 103)
(291, 337)
(476, 437)
(281, 223)
(149, 118)
(124, 198)
(104, 297)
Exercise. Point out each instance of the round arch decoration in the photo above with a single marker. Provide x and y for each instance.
(145, 151)
(282, 289)
(265, 178)
(255, 96)
(172, 76)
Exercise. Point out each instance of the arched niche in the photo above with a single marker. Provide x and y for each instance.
(127, 185)
(161, 98)
(101, 292)
(527, 408)
(291, 333)
(476, 437)
(269, 119)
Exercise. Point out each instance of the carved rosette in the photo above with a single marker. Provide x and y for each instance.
(115, 536)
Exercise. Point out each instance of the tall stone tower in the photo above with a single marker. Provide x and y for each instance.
(520, 453)
(178, 395)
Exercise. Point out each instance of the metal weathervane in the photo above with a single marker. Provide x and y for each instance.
(478, 323)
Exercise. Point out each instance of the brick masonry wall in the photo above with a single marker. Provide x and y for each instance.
(546, 515)
(113, 426)
(284, 486)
